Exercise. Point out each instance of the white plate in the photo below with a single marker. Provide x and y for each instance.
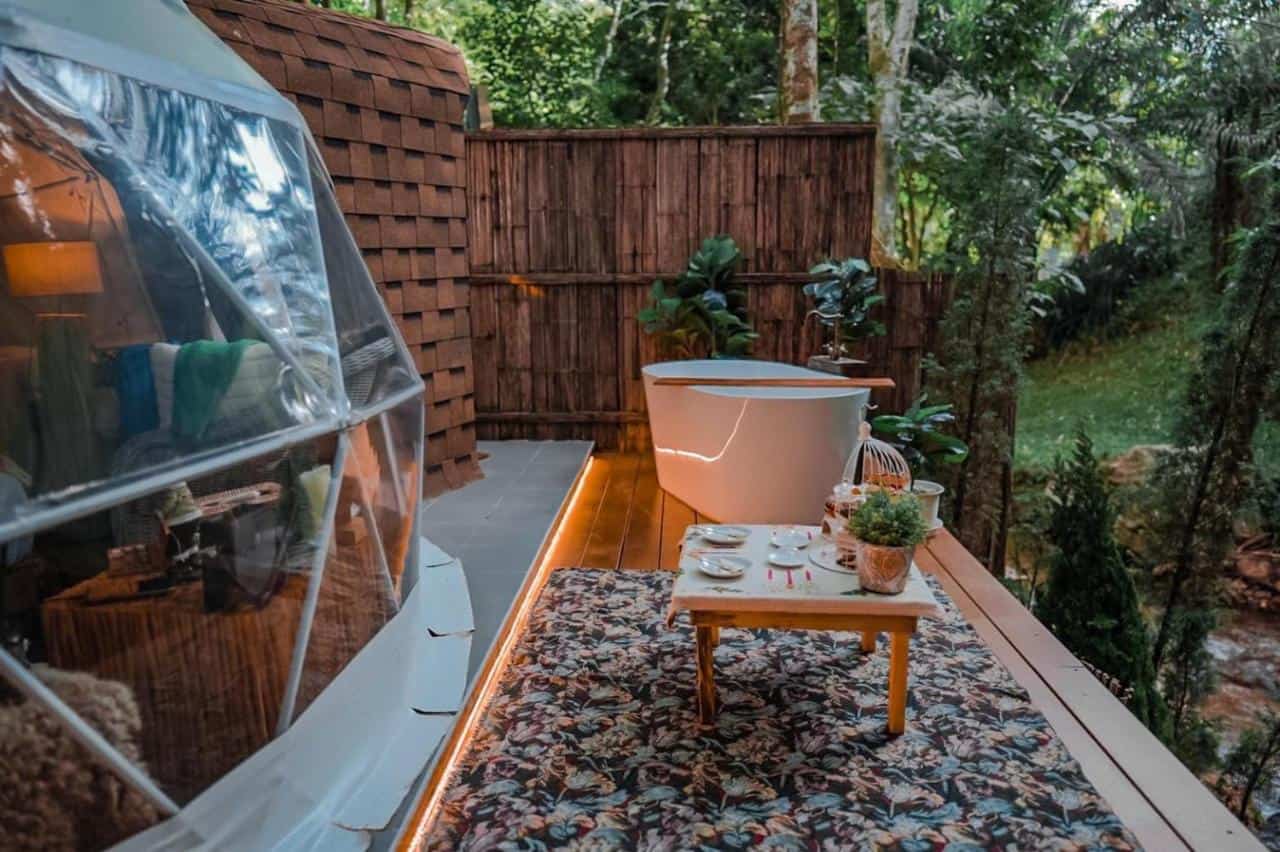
(723, 534)
(790, 537)
(723, 567)
(786, 557)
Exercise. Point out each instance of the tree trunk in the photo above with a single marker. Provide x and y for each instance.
(663, 77)
(408, 10)
(380, 9)
(798, 77)
(888, 55)
(609, 40)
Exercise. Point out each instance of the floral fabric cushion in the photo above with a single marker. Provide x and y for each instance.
(592, 741)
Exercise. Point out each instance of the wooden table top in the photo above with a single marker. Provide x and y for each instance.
(809, 589)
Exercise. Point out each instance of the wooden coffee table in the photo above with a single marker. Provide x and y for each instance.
(805, 598)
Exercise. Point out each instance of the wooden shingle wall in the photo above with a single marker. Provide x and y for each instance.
(385, 105)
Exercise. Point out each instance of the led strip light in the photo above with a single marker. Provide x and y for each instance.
(425, 814)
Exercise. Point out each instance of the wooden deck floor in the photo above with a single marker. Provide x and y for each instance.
(622, 519)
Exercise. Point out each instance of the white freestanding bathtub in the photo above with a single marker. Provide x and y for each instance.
(761, 455)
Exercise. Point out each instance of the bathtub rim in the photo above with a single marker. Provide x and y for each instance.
(723, 370)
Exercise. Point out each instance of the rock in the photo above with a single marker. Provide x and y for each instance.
(1260, 568)
(1133, 466)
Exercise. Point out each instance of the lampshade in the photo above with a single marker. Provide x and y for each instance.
(53, 269)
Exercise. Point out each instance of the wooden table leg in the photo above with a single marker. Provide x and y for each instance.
(706, 675)
(715, 637)
(899, 644)
(869, 641)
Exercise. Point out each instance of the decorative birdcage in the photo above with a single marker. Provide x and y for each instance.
(876, 463)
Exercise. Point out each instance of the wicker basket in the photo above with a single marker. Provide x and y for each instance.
(883, 569)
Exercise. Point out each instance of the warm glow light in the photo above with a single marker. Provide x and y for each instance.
(690, 454)
(52, 269)
(484, 691)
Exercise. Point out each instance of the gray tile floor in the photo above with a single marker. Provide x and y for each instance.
(495, 525)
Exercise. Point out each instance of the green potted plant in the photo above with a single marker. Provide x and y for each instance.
(887, 528)
(843, 293)
(704, 314)
(919, 434)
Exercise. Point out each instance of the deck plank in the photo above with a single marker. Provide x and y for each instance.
(642, 545)
(1184, 803)
(676, 517)
(1127, 801)
(604, 545)
(575, 528)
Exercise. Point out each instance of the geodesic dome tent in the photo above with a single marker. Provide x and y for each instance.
(210, 451)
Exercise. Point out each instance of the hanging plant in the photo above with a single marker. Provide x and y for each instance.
(703, 314)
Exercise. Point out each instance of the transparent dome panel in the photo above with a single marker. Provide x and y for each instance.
(178, 612)
(162, 286)
(375, 364)
(361, 588)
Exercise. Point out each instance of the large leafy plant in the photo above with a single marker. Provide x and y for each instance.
(703, 314)
(844, 292)
(889, 520)
(920, 435)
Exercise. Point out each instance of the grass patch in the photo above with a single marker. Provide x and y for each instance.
(1125, 391)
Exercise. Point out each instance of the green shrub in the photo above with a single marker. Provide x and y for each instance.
(889, 521)
(1090, 602)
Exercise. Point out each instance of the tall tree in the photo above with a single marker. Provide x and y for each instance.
(798, 72)
(1207, 480)
(888, 60)
(662, 76)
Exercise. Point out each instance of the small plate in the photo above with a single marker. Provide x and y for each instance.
(790, 537)
(723, 534)
(723, 567)
(786, 557)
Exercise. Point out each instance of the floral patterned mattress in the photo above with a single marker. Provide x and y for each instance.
(592, 741)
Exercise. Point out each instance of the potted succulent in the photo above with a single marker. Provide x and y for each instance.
(843, 293)
(887, 527)
(918, 433)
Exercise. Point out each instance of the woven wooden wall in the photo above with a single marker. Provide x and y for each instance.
(568, 229)
(385, 105)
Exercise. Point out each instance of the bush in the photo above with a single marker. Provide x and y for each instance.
(1090, 602)
(1108, 275)
(889, 521)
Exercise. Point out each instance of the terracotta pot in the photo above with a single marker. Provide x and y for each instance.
(883, 569)
(930, 496)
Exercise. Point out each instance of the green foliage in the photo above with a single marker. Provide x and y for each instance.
(1187, 679)
(1253, 763)
(1090, 601)
(844, 292)
(536, 60)
(704, 314)
(920, 435)
(889, 520)
(1209, 478)
(1107, 276)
